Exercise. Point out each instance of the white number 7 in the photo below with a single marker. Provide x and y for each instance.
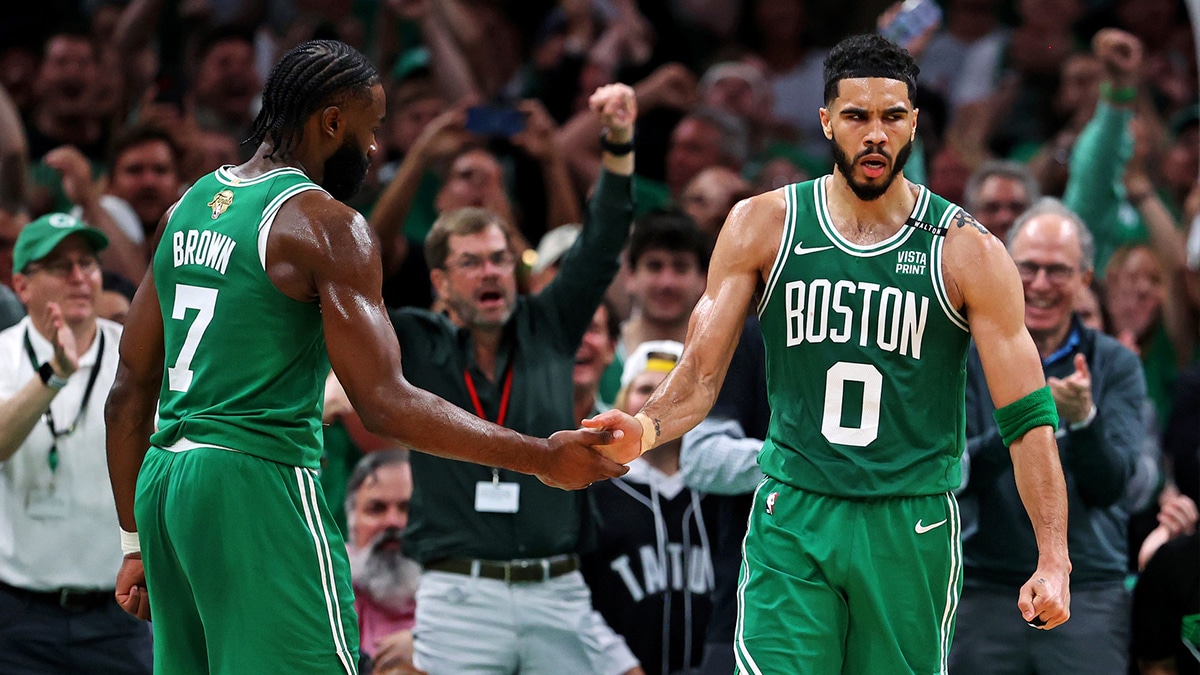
(179, 376)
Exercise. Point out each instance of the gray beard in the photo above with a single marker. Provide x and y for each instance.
(388, 578)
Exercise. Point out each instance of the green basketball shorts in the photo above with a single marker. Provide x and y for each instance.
(831, 586)
(245, 569)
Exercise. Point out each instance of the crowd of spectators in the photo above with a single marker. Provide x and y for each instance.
(1069, 128)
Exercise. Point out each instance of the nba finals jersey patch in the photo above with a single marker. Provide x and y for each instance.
(220, 202)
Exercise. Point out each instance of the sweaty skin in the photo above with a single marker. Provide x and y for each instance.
(981, 280)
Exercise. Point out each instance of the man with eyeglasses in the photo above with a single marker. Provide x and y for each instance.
(58, 529)
(1100, 394)
(999, 191)
(501, 589)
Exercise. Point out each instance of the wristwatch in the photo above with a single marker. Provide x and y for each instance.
(50, 378)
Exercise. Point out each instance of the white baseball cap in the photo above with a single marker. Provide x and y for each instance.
(654, 355)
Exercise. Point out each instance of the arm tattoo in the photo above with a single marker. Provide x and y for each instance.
(657, 429)
(962, 219)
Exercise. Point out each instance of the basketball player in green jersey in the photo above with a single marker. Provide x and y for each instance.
(262, 279)
(869, 288)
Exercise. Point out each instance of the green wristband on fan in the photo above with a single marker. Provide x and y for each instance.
(1118, 95)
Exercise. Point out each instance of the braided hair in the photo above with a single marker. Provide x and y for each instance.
(311, 75)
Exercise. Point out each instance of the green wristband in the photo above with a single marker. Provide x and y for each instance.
(1034, 409)
(1117, 95)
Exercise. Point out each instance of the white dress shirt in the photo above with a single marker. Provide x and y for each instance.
(68, 538)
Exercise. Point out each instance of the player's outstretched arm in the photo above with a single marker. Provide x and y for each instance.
(984, 280)
(744, 252)
(326, 248)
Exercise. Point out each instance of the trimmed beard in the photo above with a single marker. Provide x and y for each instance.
(388, 577)
(866, 191)
(345, 171)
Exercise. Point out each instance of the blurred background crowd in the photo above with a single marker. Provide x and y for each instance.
(110, 109)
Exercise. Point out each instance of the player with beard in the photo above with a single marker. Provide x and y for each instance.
(262, 280)
(865, 284)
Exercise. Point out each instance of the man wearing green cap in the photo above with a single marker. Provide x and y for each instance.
(58, 537)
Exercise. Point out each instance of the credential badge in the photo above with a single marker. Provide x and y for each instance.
(220, 202)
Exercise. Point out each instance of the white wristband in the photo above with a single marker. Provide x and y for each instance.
(130, 543)
(1085, 422)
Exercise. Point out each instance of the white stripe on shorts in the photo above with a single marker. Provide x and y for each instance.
(745, 661)
(308, 498)
(952, 583)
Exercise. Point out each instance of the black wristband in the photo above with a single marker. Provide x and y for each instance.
(615, 149)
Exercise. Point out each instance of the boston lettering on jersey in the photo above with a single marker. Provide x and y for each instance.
(866, 312)
(202, 247)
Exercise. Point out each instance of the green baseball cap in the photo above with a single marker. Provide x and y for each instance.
(38, 239)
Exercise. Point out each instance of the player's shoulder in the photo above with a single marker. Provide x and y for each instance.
(770, 205)
(966, 238)
(314, 217)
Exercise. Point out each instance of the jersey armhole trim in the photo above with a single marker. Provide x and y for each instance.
(269, 213)
(938, 277)
(788, 233)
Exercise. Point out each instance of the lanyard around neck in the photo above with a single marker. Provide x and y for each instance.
(48, 416)
(508, 378)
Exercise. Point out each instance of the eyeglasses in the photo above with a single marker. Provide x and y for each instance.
(1055, 274)
(993, 207)
(63, 267)
(473, 264)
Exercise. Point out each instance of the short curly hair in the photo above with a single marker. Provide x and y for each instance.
(869, 55)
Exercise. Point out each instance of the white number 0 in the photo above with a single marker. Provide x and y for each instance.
(835, 385)
(179, 376)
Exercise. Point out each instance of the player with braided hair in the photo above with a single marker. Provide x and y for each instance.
(263, 280)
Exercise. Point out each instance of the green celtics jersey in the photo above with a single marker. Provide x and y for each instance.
(866, 358)
(245, 364)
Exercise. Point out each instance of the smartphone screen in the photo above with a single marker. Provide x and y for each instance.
(495, 121)
(915, 17)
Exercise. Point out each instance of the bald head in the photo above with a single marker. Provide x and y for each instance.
(1053, 252)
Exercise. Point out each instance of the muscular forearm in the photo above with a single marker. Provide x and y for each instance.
(1043, 491)
(128, 420)
(416, 418)
(19, 415)
(667, 416)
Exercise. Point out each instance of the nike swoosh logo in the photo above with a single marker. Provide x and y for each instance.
(922, 529)
(800, 250)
